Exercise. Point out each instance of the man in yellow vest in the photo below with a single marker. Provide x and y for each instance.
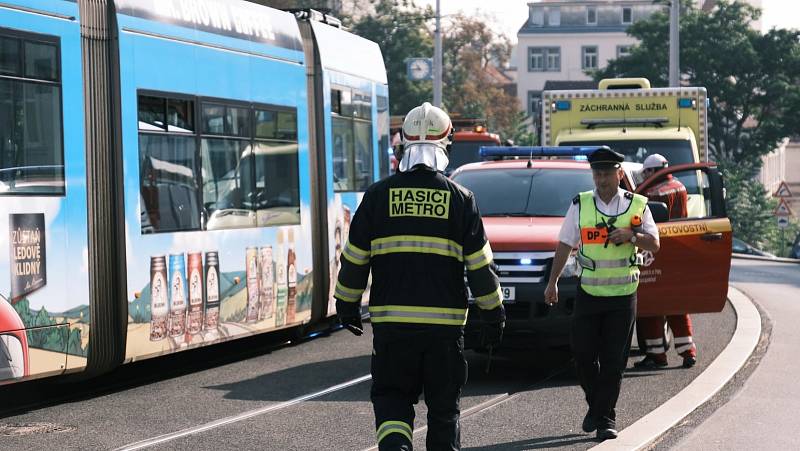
(605, 305)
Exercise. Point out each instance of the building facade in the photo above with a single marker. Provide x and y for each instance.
(565, 40)
(783, 165)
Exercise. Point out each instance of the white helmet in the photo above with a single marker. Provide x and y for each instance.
(655, 161)
(427, 124)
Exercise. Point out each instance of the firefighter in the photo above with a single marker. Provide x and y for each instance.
(605, 304)
(417, 231)
(672, 192)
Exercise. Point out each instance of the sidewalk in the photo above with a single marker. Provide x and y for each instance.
(764, 414)
(648, 428)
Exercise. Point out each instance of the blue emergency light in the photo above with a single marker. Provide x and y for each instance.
(563, 105)
(538, 151)
(686, 102)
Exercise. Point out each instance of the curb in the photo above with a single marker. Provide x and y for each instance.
(765, 259)
(651, 426)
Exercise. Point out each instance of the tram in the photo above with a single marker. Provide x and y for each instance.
(174, 174)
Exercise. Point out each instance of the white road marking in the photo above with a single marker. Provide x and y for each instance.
(242, 416)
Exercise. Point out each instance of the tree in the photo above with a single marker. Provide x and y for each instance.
(753, 82)
(399, 28)
(470, 48)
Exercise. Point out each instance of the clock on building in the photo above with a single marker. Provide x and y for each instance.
(419, 69)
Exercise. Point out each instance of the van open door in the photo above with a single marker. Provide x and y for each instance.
(690, 272)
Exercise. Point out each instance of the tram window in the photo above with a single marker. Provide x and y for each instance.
(342, 154)
(266, 123)
(383, 135)
(152, 113)
(336, 101)
(237, 168)
(363, 154)
(277, 184)
(213, 119)
(237, 122)
(168, 182)
(9, 56)
(352, 141)
(362, 105)
(287, 126)
(180, 115)
(41, 61)
(31, 147)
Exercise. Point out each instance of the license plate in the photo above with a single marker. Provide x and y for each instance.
(508, 295)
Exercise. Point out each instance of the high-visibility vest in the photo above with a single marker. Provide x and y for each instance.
(608, 269)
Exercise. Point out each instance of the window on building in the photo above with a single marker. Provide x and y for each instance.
(544, 59)
(554, 16)
(534, 104)
(589, 57)
(627, 15)
(553, 59)
(591, 15)
(623, 50)
(352, 140)
(31, 136)
(537, 17)
(236, 168)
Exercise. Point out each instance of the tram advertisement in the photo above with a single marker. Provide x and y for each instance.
(28, 254)
(202, 290)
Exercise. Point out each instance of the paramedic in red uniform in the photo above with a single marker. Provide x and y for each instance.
(672, 192)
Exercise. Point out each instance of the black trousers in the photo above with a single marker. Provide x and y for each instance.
(408, 360)
(602, 328)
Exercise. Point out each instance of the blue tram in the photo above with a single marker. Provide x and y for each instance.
(174, 174)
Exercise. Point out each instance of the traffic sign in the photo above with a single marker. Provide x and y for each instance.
(783, 222)
(783, 208)
(783, 191)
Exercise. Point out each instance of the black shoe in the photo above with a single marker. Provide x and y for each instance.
(606, 434)
(589, 423)
(650, 362)
(689, 361)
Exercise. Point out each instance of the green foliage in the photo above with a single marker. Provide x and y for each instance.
(399, 28)
(519, 130)
(404, 30)
(55, 338)
(753, 80)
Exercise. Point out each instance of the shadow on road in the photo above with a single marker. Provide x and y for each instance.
(556, 441)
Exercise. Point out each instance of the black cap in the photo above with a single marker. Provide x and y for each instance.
(605, 158)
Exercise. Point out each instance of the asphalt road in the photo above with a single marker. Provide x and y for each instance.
(530, 400)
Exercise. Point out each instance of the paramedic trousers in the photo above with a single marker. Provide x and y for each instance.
(408, 360)
(602, 328)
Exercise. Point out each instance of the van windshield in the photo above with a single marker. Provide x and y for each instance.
(674, 150)
(525, 192)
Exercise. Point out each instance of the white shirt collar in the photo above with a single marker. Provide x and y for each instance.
(615, 206)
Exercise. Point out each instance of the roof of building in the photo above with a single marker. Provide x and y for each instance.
(527, 28)
(551, 85)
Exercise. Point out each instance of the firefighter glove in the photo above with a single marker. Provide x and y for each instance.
(349, 314)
